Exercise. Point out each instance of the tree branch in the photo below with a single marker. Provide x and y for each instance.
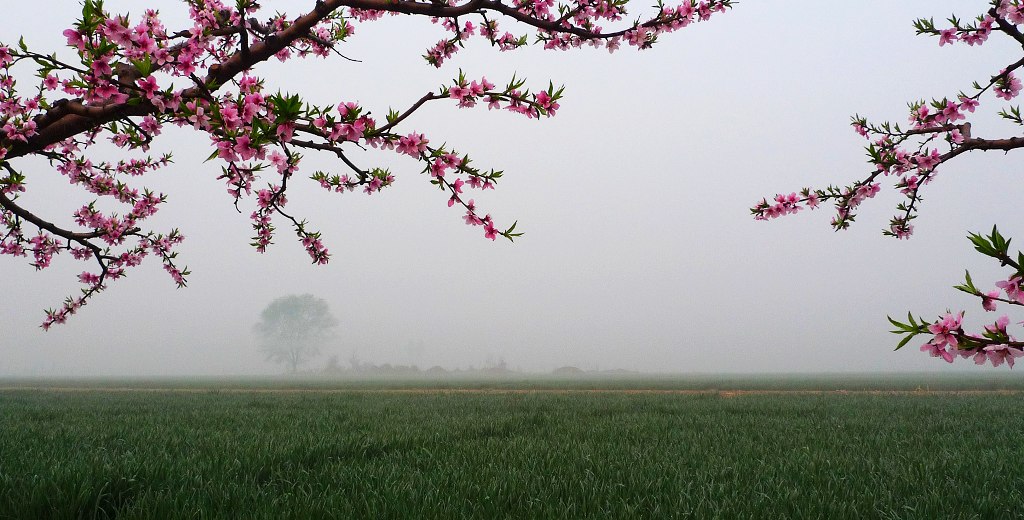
(336, 150)
(65, 120)
(1007, 27)
(13, 207)
(81, 118)
(429, 96)
(978, 143)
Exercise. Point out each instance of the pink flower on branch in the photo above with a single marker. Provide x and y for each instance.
(1012, 288)
(946, 330)
(135, 76)
(998, 354)
(149, 86)
(936, 124)
(988, 302)
(995, 344)
(412, 144)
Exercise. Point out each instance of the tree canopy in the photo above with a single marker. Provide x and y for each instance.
(292, 329)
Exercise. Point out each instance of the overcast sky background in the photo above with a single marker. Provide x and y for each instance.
(639, 250)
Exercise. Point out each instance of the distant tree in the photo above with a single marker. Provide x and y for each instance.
(332, 364)
(292, 329)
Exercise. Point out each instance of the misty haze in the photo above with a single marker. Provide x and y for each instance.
(638, 253)
(518, 259)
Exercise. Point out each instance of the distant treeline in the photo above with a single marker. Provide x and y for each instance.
(499, 368)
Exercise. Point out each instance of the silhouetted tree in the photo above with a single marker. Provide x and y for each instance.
(292, 329)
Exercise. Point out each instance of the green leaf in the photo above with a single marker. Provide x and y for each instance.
(904, 342)
(145, 66)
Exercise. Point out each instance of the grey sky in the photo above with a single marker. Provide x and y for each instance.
(639, 250)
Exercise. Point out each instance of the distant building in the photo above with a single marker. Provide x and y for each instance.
(567, 371)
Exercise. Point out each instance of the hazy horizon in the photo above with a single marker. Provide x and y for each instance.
(639, 253)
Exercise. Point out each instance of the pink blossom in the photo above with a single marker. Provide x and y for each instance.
(279, 160)
(412, 144)
(547, 102)
(999, 327)
(1008, 87)
(470, 217)
(927, 160)
(947, 36)
(952, 112)
(150, 125)
(980, 356)
(458, 92)
(490, 231)
(968, 104)
(937, 351)
(198, 118)
(101, 66)
(75, 39)
(1012, 288)
(243, 147)
(284, 131)
(89, 278)
(229, 115)
(374, 185)
(988, 301)
(945, 330)
(997, 354)
(225, 151)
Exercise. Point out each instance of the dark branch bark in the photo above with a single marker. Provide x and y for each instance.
(22, 213)
(68, 119)
(76, 119)
(1007, 27)
(363, 174)
(72, 117)
(978, 143)
(427, 97)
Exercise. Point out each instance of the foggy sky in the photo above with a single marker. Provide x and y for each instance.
(639, 250)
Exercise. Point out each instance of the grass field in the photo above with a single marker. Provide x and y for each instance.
(184, 450)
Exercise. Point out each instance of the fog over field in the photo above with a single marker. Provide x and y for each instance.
(639, 252)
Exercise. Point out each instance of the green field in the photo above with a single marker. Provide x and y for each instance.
(184, 450)
(1001, 380)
